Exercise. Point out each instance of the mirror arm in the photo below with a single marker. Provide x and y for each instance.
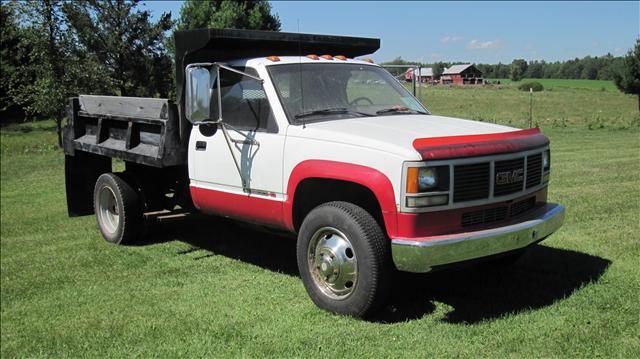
(245, 186)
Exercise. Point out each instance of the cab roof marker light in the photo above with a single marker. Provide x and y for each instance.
(313, 57)
(327, 57)
(368, 59)
(340, 57)
(273, 58)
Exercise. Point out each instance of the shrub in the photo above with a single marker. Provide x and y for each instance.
(536, 86)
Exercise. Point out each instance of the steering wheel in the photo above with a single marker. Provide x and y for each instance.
(354, 102)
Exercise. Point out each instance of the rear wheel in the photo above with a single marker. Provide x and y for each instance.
(344, 259)
(118, 209)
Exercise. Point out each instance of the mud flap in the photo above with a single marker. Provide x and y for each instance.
(81, 173)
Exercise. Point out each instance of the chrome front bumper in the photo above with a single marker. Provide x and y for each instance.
(422, 255)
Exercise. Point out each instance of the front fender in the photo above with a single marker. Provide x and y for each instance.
(374, 180)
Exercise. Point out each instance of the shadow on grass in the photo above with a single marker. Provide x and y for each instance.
(209, 236)
(541, 277)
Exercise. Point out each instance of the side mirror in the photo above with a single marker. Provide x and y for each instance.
(198, 94)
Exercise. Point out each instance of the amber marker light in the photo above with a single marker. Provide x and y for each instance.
(327, 57)
(273, 58)
(368, 60)
(313, 57)
(340, 57)
(412, 179)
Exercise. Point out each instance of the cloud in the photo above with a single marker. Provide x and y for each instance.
(450, 39)
(477, 44)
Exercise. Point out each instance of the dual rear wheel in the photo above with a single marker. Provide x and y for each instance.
(118, 209)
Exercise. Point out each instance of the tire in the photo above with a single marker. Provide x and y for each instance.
(118, 209)
(344, 259)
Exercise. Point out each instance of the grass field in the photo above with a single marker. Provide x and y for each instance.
(554, 84)
(211, 287)
(556, 107)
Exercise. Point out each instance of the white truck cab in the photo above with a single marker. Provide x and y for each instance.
(331, 149)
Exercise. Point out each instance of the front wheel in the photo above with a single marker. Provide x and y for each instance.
(117, 208)
(344, 259)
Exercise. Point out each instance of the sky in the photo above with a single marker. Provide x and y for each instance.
(478, 32)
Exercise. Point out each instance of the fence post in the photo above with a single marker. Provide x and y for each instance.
(530, 107)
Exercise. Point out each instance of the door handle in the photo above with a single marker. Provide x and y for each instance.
(201, 145)
(246, 142)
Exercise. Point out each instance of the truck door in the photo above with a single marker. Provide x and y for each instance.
(249, 187)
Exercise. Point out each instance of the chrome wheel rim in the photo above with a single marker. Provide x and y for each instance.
(333, 263)
(108, 210)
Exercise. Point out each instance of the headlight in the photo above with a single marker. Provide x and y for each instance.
(425, 179)
(546, 160)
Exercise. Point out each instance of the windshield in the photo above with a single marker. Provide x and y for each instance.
(319, 92)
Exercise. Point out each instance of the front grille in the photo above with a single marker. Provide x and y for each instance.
(508, 176)
(534, 170)
(522, 206)
(497, 214)
(484, 216)
(471, 182)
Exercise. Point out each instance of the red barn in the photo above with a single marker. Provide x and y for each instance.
(425, 75)
(462, 75)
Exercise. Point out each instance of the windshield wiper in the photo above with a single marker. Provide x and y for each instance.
(399, 110)
(330, 111)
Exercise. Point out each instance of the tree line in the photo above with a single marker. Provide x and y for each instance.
(54, 49)
(586, 68)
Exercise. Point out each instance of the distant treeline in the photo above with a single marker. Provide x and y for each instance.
(586, 68)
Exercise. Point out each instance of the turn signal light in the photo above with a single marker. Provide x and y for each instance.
(412, 179)
(273, 58)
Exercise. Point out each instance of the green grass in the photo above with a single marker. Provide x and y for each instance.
(211, 287)
(558, 108)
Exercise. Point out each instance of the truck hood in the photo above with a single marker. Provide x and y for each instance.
(395, 133)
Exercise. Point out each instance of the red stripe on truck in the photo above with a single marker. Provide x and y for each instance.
(239, 206)
(438, 148)
(368, 177)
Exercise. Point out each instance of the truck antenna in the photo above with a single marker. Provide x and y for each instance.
(304, 122)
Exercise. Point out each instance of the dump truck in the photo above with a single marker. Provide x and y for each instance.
(291, 132)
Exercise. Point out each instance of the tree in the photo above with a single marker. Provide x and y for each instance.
(127, 45)
(518, 68)
(252, 15)
(627, 75)
(37, 82)
(12, 55)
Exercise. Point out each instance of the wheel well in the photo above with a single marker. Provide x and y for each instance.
(313, 192)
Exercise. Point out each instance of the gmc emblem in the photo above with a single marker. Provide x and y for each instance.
(508, 177)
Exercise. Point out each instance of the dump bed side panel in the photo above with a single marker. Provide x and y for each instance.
(138, 130)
